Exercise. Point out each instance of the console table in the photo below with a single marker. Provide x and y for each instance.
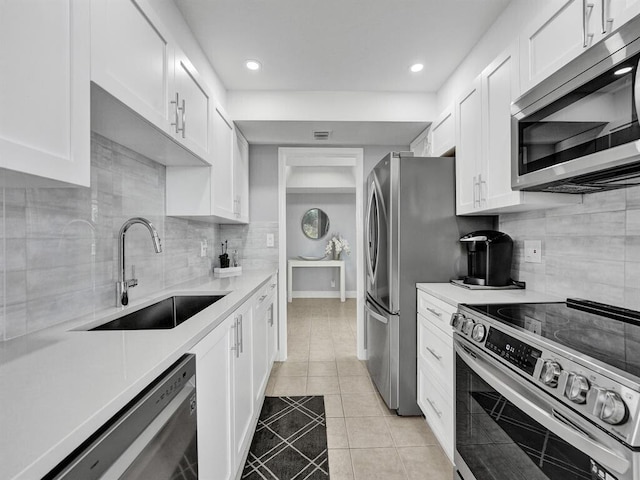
(291, 264)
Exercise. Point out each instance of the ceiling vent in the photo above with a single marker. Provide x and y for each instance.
(321, 134)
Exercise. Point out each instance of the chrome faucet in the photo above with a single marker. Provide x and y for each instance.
(123, 284)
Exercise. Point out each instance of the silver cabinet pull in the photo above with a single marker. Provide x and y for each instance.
(235, 347)
(438, 357)
(476, 199)
(261, 299)
(435, 312)
(176, 108)
(481, 197)
(273, 285)
(241, 335)
(606, 19)
(184, 119)
(435, 409)
(586, 11)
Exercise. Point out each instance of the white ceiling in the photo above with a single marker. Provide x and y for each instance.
(338, 45)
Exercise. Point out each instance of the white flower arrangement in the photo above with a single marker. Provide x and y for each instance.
(336, 245)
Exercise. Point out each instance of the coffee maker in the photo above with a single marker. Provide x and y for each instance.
(488, 258)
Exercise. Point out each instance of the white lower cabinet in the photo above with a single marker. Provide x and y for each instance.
(214, 370)
(232, 369)
(243, 400)
(436, 365)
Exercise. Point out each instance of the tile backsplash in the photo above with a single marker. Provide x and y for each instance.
(589, 251)
(58, 253)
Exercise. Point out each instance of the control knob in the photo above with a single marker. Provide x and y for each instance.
(478, 333)
(609, 406)
(577, 388)
(457, 321)
(467, 326)
(550, 373)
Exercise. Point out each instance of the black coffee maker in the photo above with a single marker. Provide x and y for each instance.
(488, 258)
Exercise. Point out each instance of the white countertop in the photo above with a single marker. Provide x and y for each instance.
(454, 295)
(59, 385)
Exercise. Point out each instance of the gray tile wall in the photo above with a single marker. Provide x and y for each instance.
(251, 242)
(589, 251)
(58, 246)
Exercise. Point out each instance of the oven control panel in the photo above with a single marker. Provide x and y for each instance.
(514, 351)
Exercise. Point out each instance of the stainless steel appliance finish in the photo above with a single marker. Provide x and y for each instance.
(534, 403)
(155, 436)
(412, 236)
(578, 131)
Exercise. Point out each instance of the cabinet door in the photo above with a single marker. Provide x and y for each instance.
(223, 201)
(272, 312)
(616, 13)
(554, 38)
(499, 89)
(131, 57)
(214, 390)
(241, 176)
(44, 99)
(193, 107)
(243, 400)
(443, 133)
(260, 349)
(468, 149)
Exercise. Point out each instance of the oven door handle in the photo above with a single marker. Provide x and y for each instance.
(538, 408)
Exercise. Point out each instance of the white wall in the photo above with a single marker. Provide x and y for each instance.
(341, 209)
(263, 183)
(332, 106)
(499, 36)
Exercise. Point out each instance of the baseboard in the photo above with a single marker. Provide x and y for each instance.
(323, 294)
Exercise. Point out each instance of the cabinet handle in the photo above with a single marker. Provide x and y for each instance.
(606, 19)
(261, 299)
(270, 313)
(480, 194)
(435, 409)
(438, 357)
(184, 119)
(435, 312)
(476, 199)
(235, 347)
(586, 11)
(176, 108)
(241, 335)
(273, 285)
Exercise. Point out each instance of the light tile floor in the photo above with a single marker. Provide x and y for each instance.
(366, 440)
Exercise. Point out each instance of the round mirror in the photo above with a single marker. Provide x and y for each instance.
(315, 224)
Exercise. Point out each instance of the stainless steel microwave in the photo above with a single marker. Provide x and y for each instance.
(577, 131)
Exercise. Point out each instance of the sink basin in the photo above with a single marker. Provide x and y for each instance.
(165, 314)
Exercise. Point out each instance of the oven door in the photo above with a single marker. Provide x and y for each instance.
(506, 429)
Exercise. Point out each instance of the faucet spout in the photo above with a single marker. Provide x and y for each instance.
(123, 283)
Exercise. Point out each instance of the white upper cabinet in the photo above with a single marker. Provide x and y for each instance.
(421, 145)
(147, 76)
(131, 56)
(616, 13)
(44, 99)
(442, 134)
(484, 145)
(224, 201)
(193, 107)
(564, 30)
(241, 176)
(468, 138)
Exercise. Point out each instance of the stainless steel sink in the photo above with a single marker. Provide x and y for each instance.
(165, 314)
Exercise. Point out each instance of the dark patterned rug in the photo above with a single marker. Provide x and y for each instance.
(290, 441)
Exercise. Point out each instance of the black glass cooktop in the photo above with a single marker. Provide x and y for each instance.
(608, 334)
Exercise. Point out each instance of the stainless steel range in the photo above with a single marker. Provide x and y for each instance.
(547, 391)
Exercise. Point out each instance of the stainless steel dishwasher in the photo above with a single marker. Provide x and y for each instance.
(153, 437)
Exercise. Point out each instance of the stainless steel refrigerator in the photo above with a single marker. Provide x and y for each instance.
(411, 234)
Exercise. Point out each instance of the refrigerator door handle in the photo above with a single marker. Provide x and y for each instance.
(368, 231)
(375, 314)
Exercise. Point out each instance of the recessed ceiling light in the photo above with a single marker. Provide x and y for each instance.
(416, 67)
(623, 70)
(253, 65)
